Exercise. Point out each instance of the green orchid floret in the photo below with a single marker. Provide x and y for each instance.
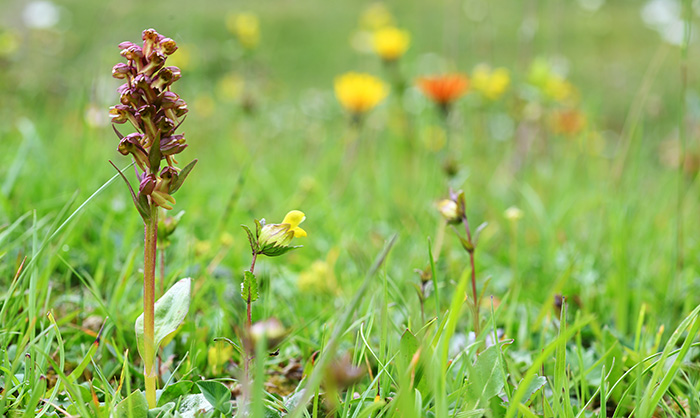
(273, 239)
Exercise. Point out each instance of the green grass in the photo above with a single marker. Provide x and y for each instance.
(600, 224)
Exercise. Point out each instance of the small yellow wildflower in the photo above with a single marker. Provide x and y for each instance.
(320, 277)
(559, 89)
(391, 43)
(376, 16)
(293, 219)
(218, 355)
(359, 93)
(246, 27)
(490, 83)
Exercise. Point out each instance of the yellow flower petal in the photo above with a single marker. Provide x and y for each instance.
(294, 218)
(298, 232)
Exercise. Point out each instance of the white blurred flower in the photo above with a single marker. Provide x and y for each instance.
(664, 16)
(40, 15)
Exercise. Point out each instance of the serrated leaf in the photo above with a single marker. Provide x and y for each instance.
(133, 406)
(217, 394)
(182, 175)
(249, 287)
(252, 239)
(170, 310)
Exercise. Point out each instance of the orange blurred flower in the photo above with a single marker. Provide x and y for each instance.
(444, 89)
(568, 122)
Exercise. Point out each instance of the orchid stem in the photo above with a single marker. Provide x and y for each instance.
(149, 291)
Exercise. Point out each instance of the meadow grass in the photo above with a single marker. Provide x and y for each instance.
(588, 303)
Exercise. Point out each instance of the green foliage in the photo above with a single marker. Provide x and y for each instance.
(249, 287)
(170, 310)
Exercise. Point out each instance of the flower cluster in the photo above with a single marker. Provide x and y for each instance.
(156, 112)
(491, 83)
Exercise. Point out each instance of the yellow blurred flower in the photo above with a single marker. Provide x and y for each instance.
(9, 43)
(358, 92)
(230, 87)
(218, 355)
(391, 43)
(181, 58)
(204, 105)
(320, 277)
(490, 83)
(554, 86)
(246, 27)
(560, 90)
(376, 16)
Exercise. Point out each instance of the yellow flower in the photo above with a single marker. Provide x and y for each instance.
(218, 355)
(376, 16)
(246, 27)
(490, 83)
(391, 43)
(559, 89)
(359, 93)
(293, 219)
(273, 239)
(320, 277)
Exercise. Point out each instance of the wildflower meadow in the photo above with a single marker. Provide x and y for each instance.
(352, 209)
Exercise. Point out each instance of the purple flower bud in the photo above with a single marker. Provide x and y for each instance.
(156, 61)
(168, 46)
(121, 70)
(148, 183)
(143, 83)
(132, 52)
(165, 125)
(166, 76)
(147, 114)
(132, 144)
(172, 145)
(150, 38)
(119, 113)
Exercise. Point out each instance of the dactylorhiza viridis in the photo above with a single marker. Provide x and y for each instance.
(155, 112)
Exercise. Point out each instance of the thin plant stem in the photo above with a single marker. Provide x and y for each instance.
(474, 294)
(149, 291)
(249, 318)
(162, 271)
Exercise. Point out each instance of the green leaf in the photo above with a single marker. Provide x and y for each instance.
(182, 176)
(175, 391)
(217, 394)
(133, 406)
(194, 405)
(162, 411)
(251, 238)
(535, 384)
(272, 250)
(249, 287)
(486, 377)
(170, 310)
